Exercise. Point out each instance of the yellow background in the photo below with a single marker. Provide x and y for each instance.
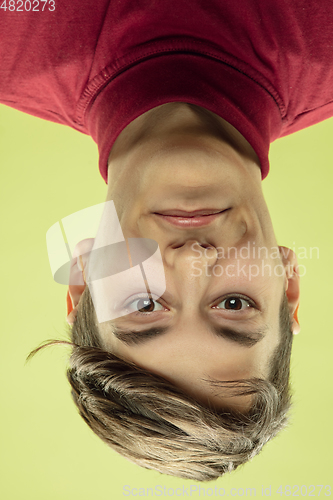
(50, 171)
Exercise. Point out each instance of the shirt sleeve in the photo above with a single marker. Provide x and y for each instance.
(46, 55)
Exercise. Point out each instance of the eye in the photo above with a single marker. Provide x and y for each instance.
(235, 303)
(143, 305)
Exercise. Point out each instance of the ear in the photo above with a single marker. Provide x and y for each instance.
(290, 263)
(77, 277)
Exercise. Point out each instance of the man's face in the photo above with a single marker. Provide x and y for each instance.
(220, 311)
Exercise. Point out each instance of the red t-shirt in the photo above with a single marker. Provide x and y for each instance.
(264, 66)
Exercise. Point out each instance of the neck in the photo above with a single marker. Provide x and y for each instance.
(182, 119)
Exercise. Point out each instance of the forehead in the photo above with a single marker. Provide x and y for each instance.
(197, 367)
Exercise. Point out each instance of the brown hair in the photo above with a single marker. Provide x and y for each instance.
(155, 425)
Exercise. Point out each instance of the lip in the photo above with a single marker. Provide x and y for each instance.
(183, 219)
(192, 213)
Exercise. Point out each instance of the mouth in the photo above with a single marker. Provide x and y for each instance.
(196, 218)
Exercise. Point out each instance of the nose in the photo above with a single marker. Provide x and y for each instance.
(182, 257)
(187, 266)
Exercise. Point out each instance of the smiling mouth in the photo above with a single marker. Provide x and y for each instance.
(195, 218)
(187, 214)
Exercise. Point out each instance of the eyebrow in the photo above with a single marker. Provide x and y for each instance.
(244, 338)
